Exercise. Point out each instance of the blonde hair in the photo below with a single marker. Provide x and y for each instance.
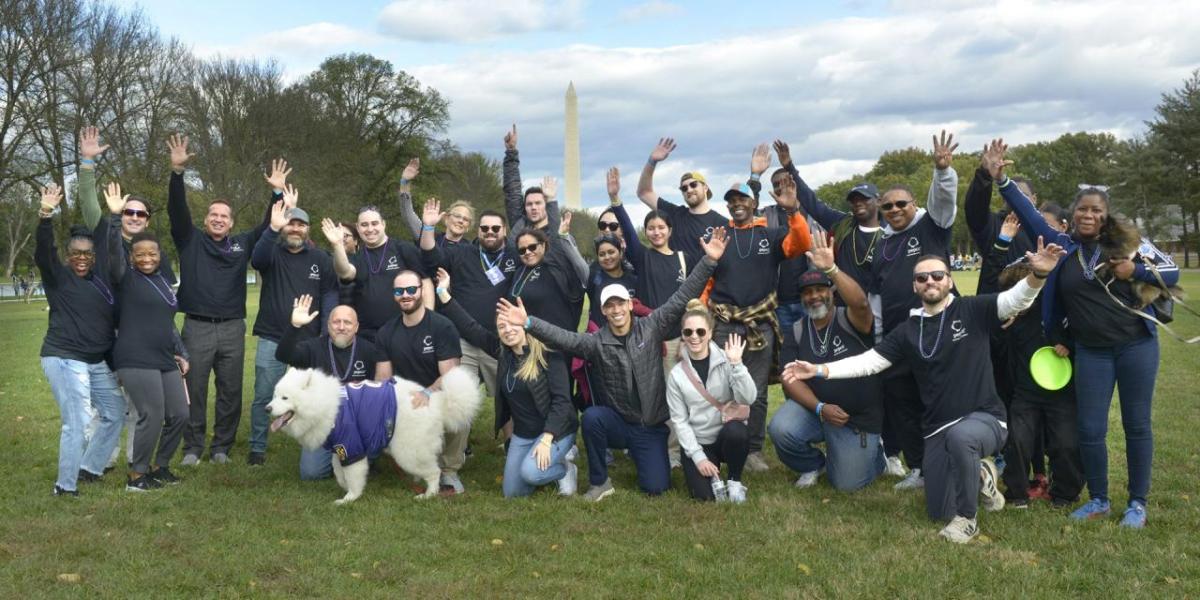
(462, 204)
(697, 308)
(535, 363)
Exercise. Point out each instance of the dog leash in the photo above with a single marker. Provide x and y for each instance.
(1166, 290)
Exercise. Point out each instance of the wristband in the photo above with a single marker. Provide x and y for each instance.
(820, 405)
(439, 291)
(404, 181)
(528, 322)
(1004, 238)
(820, 372)
(755, 176)
(87, 161)
(1040, 276)
(651, 162)
(427, 392)
(427, 228)
(831, 271)
(278, 191)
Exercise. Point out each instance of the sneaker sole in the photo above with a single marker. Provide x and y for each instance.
(130, 488)
(993, 499)
(603, 495)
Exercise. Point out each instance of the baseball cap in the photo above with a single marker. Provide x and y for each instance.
(298, 214)
(740, 189)
(696, 175)
(864, 189)
(613, 290)
(814, 277)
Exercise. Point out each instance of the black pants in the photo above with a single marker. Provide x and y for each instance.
(902, 410)
(1035, 415)
(731, 447)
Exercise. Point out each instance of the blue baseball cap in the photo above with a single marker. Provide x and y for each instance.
(740, 189)
(864, 189)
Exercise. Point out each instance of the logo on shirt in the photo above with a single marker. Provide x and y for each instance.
(914, 247)
(764, 246)
(838, 346)
(510, 265)
(236, 247)
(393, 264)
(359, 366)
(427, 345)
(314, 271)
(960, 330)
(341, 451)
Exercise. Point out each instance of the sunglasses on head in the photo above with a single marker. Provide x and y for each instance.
(610, 226)
(491, 228)
(924, 277)
(406, 291)
(901, 204)
(133, 212)
(530, 248)
(691, 185)
(701, 332)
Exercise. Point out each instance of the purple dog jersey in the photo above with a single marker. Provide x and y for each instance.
(365, 421)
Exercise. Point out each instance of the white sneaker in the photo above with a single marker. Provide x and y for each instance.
(676, 463)
(809, 479)
(572, 454)
(993, 500)
(914, 481)
(189, 460)
(737, 492)
(451, 480)
(894, 467)
(569, 484)
(960, 530)
(220, 458)
(755, 463)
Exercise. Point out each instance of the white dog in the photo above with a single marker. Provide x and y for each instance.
(308, 405)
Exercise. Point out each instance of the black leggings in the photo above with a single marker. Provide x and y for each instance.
(731, 447)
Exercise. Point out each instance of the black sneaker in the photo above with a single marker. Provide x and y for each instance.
(257, 458)
(86, 476)
(1018, 503)
(145, 483)
(1062, 503)
(61, 492)
(164, 476)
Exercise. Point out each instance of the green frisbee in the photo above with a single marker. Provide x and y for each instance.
(1050, 370)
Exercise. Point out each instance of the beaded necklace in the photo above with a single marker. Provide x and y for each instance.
(168, 296)
(349, 363)
(936, 341)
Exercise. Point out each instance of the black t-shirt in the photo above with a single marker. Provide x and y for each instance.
(82, 312)
(659, 276)
(748, 270)
(415, 351)
(376, 269)
(1019, 341)
(470, 284)
(598, 279)
(687, 228)
(349, 365)
(700, 366)
(549, 292)
(286, 276)
(1093, 317)
(855, 253)
(892, 267)
(146, 338)
(528, 423)
(950, 359)
(861, 398)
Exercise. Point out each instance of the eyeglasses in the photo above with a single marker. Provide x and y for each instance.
(701, 332)
(80, 253)
(527, 249)
(900, 204)
(459, 217)
(691, 185)
(406, 291)
(491, 228)
(610, 226)
(133, 212)
(924, 277)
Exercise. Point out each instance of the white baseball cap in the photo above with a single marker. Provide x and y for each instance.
(613, 290)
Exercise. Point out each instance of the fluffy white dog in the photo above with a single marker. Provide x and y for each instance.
(308, 404)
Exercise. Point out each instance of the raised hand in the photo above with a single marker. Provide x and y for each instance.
(89, 143)
(783, 152)
(821, 255)
(432, 215)
(291, 196)
(1010, 226)
(278, 216)
(277, 178)
(787, 194)
(613, 181)
(734, 347)
(333, 232)
(300, 314)
(179, 152)
(664, 149)
(992, 158)
(1045, 259)
(714, 247)
(799, 370)
(114, 199)
(52, 196)
(513, 313)
(510, 138)
(943, 151)
(564, 225)
(549, 187)
(411, 170)
(760, 159)
(443, 278)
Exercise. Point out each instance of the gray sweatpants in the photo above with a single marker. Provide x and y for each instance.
(759, 365)
(162, 414)
(951, 465)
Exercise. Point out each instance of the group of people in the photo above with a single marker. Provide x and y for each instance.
(682, 338)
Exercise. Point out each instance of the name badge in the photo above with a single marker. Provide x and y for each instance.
(495, 275)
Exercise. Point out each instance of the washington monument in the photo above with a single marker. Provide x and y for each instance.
(571, 152)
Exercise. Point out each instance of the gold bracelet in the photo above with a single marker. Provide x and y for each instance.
(831, 271)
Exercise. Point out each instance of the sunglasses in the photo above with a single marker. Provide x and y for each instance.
(900, 204)
(924, 277)
(80, 253)
(610, 226)
(530, 248)
(406, 291)
(133, 212)
(701, 332)
(491, 228)
(691, 185)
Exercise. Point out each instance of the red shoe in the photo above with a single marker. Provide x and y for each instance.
(1038, 490)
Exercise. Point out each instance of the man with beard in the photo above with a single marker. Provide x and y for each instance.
(479, 277)
(963, 421)
(420, 345)
(289, 270)
(846, 416)
(212, 293)
(910, 233)
(688, 223)
(339, 353)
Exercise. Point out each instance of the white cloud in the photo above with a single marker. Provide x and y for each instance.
(653, 9)
(302, 47)
(476, 20)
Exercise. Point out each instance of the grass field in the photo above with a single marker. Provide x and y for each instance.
(232, 530)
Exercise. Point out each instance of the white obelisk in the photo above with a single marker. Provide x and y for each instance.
(571, 194)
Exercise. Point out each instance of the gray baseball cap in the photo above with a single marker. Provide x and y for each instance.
(298, 214)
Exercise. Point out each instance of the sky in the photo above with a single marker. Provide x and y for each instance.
(841, 81)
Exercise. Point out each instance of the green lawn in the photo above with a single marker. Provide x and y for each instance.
(235, 531)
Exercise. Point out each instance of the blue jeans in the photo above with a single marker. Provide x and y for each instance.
(603, 428)
(75, 384)
(788, 314)
(267, 373)
(855, 457)
(1132, 368)
(521, 473)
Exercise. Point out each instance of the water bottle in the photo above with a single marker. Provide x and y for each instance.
(718, 488)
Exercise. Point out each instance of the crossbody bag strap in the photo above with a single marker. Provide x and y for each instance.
(686, 364)
(682, 262)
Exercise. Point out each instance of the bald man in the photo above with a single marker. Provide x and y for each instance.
(341, 353)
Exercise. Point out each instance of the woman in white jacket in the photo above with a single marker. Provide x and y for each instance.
(709, 393)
